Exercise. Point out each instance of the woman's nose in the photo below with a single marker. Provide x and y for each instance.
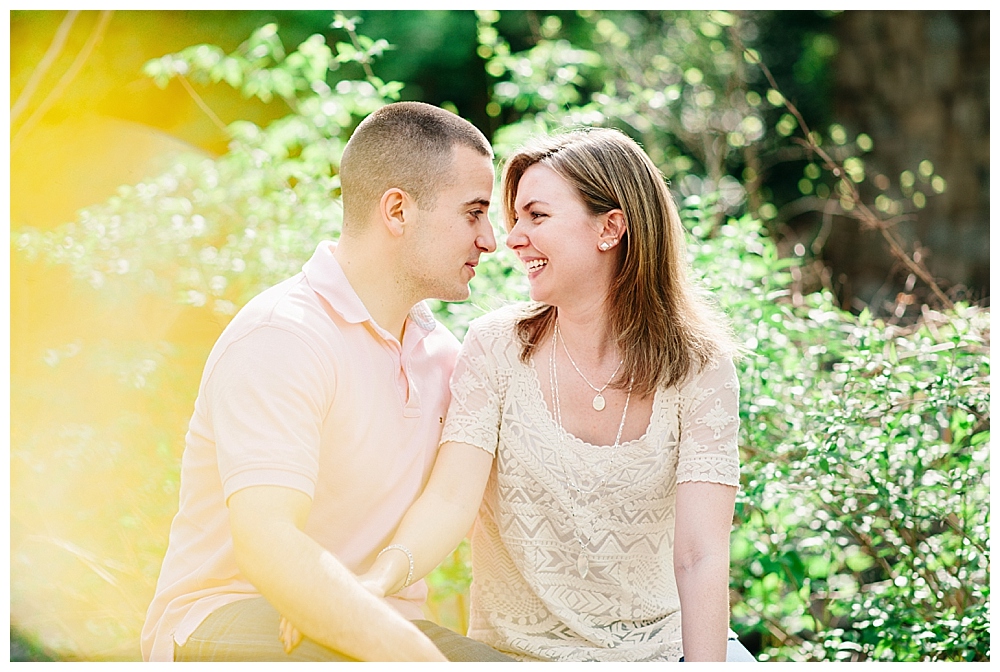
(516, 237)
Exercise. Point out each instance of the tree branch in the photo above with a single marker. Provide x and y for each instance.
(51, 54)
(81, 58)
(864, 213)
(200, 102)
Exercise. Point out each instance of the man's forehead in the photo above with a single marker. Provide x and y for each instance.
(473, 167)
(466, 153)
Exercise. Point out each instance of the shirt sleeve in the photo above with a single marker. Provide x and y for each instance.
(268, 395)
(474, 413)
(709, 426)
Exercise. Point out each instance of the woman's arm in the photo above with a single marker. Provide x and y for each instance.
(701, 566)
(432, 527)
(437, 521)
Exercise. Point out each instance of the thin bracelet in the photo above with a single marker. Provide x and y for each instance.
(409, 556)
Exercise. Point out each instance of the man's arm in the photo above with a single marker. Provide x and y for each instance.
(701, 567)
(309, 586)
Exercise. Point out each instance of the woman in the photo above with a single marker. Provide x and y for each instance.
(601, 422)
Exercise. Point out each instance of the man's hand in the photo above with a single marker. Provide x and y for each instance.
(308, 585)
(371, 584)
(288, 634)
(433, 526)
(291, 637)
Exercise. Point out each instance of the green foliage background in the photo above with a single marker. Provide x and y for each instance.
(862, 526)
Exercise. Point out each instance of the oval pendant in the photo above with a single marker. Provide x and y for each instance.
(582, 565)
(599, 402)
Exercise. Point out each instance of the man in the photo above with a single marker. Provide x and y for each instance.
(319, 413)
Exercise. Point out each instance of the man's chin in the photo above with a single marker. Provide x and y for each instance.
(455, 296)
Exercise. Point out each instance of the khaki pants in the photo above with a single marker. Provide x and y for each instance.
(247, 630)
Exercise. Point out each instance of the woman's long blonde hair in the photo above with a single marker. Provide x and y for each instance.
(661, 326)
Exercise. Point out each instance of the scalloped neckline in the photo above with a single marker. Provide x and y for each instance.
(536, 388)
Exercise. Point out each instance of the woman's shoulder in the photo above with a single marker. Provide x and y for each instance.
(495, 335)
(712, 377)
(501, 322)
(720, 367)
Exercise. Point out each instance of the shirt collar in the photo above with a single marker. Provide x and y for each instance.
(326, 277)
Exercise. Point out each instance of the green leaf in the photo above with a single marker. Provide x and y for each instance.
(980, 437)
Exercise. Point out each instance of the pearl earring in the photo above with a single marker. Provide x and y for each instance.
(605, 246)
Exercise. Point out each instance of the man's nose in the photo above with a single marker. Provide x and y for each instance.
(488, 241)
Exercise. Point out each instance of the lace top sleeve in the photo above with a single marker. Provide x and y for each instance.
(709, 426)
(474, 413)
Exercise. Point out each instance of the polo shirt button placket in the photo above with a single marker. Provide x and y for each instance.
(413, 394)
(399, 377)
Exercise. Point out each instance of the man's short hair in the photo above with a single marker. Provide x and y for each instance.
(408, 146)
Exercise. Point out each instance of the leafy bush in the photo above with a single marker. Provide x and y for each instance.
(863, 523)
(863, 527)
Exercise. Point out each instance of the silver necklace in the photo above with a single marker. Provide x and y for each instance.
(598, 402)
(582, 562)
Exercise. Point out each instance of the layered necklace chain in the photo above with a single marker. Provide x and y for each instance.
(582, 562)
(598, 402)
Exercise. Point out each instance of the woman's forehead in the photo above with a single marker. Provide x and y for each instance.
(538, 182)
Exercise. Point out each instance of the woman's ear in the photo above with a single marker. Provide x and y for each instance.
(396, 209)
(613, 229)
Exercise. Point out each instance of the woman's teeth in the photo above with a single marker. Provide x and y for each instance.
(536, 264)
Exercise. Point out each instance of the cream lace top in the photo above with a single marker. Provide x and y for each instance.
(530, 597)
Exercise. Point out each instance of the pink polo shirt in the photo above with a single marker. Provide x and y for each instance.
(303, 390)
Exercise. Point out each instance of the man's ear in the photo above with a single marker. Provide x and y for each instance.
(396, 209)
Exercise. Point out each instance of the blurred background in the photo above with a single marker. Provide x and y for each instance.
(156, 186)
